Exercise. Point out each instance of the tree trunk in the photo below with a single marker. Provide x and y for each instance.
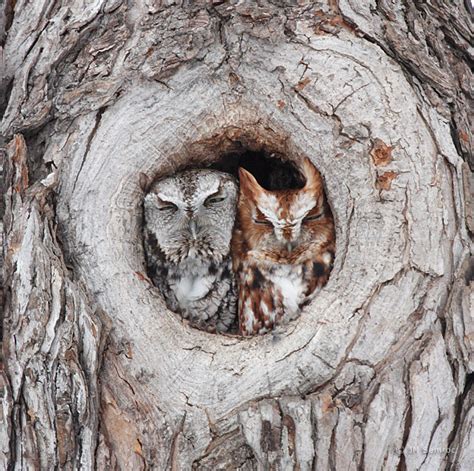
(378, 371)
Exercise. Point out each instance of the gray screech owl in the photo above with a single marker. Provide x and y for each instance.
(188, 227)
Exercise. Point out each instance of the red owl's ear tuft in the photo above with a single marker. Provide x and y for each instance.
(248, 184)
(312, 176)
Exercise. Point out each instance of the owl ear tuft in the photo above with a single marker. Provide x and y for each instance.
(144, 181)
(312, 176)
(248, 184)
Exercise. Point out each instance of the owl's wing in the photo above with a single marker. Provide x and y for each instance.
(227, 311)
(260, 303)
(159, 270)
(216, 311)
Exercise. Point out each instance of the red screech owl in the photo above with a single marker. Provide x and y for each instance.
(283, 249)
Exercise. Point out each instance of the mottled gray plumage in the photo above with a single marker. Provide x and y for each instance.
(188, 227)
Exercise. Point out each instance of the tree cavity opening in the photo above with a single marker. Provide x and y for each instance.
(275, 168)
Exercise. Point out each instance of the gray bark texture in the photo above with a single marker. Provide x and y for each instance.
(378, 371)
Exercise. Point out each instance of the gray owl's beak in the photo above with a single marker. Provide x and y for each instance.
(193, 228)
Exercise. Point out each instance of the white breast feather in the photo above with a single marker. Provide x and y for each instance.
(192, 288)
(194, 283)
(289, 281)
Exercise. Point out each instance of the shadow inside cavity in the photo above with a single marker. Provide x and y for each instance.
(272, 171)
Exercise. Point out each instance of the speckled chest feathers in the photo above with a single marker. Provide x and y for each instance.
(283, 249)
(188, 227)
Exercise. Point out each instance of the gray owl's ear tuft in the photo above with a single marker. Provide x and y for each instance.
(144, 181)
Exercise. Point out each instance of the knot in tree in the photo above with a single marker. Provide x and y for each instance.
(370, 102)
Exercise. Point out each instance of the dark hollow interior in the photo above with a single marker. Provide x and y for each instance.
(272, 171)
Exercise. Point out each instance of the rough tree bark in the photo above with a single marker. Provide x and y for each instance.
(378, 371)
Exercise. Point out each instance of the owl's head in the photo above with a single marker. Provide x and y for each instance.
(191, 214)
(284, 221)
